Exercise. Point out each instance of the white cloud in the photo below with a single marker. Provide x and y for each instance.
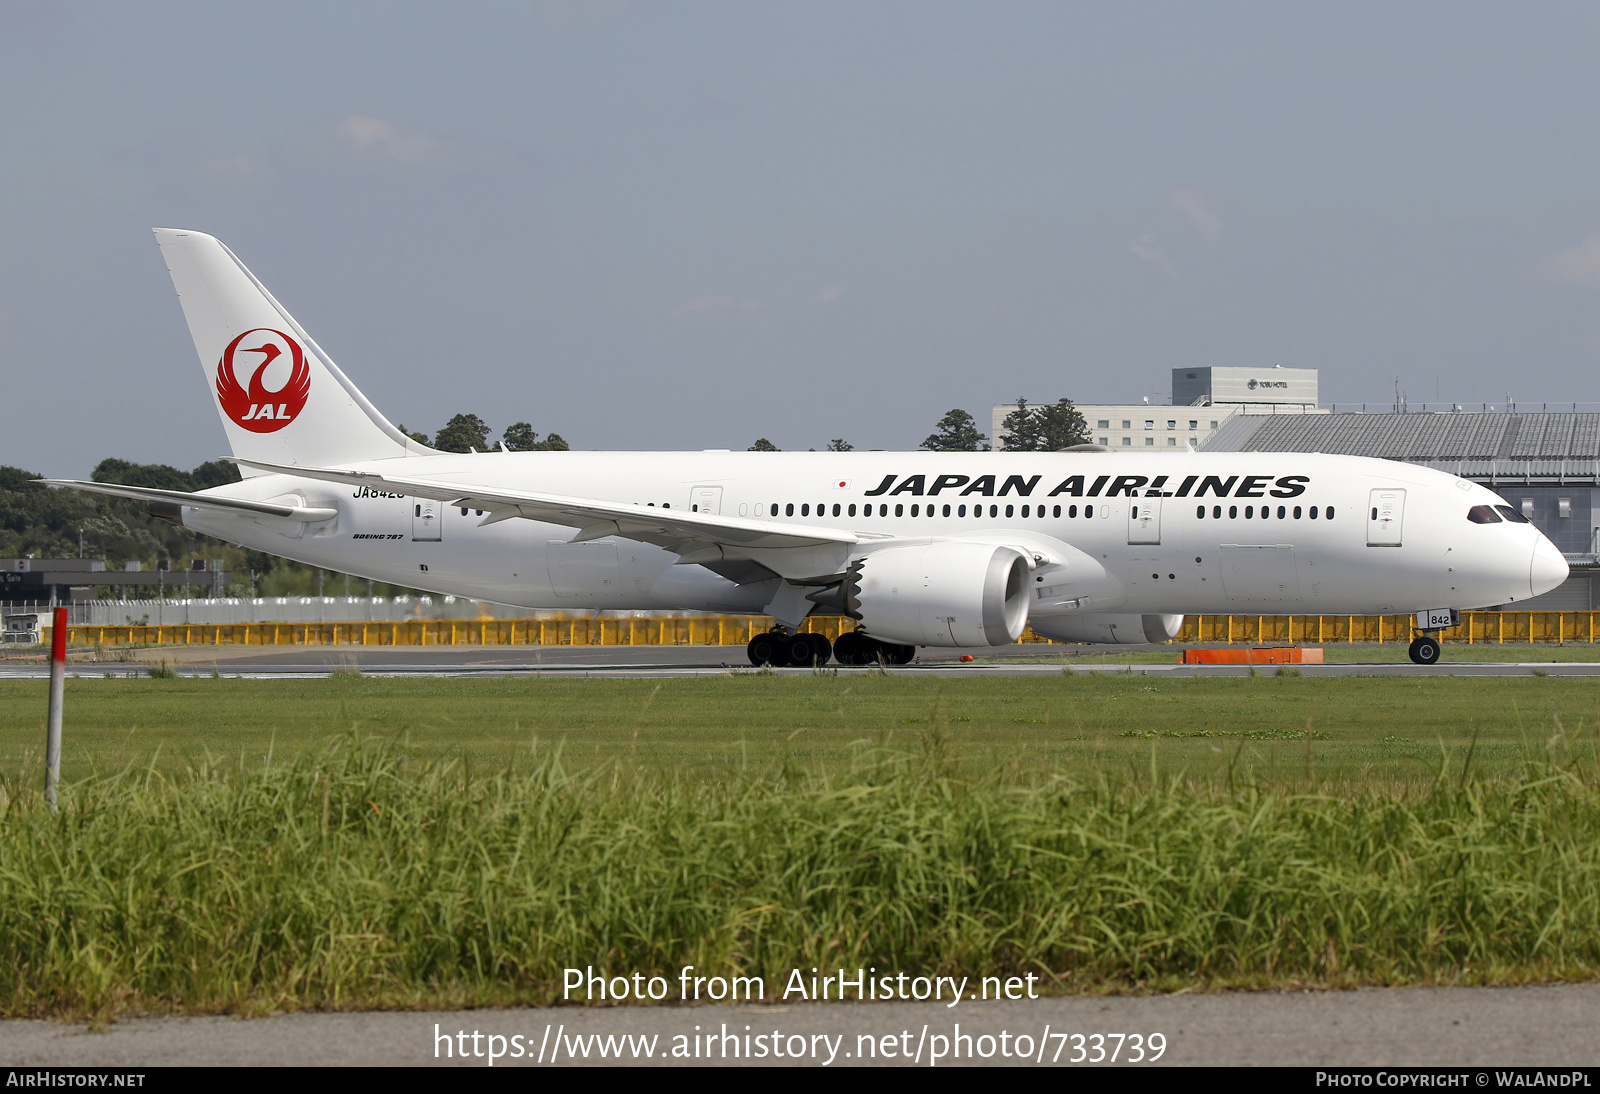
(1578, 265)
(828, 294)
(1145, 248)
(1192, 205)
(370, 134)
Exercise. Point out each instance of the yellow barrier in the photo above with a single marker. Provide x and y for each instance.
(722, 630)
(728, 630)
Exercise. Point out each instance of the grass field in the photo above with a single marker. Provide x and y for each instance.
(239, 845)
(1363, 730)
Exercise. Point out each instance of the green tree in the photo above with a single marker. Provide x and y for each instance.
(1061, 425)
(839, 444)
(763, 445)
(957, 431)
(462, 433)
(520, 437)
(420, 438)
(1019, 431)
(1049, 427)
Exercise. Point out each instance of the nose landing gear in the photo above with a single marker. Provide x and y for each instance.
(1425, 650)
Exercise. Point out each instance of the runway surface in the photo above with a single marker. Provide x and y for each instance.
(309, 662)
(1550, 1026)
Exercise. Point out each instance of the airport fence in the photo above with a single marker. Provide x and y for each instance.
(728, 630)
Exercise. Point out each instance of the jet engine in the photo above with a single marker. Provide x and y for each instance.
(940, 594)
(1125, 630)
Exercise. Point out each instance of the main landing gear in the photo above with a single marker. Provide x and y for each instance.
(857, 648)
(783, 650)
(1425, 650)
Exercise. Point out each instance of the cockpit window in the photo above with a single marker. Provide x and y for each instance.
(1512, 515)
(1483, 514)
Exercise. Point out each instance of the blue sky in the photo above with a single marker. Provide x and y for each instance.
(648, 225)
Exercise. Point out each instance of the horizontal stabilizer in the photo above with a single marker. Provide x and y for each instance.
(308, 515)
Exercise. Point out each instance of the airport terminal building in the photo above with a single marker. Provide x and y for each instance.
(1202, 400)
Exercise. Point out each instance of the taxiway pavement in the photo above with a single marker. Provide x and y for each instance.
(1469, 1028)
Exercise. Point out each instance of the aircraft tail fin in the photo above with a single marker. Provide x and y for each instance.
(281, 398)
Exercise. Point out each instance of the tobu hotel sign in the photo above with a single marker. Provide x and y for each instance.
(263, 380)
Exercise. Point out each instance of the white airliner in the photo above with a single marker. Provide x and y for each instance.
(922, 548)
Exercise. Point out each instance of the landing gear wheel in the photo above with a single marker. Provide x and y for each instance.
(856, 648)
(1425, 650)
(853, 648)
(805, 650)
(895, 654)
(765, 649)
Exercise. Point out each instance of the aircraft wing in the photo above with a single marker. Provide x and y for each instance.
(198, 501)
(677, 530)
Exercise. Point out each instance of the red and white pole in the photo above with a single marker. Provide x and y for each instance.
(58, 685)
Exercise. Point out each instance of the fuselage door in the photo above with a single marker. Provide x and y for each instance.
(1386, 511)
(425, 523)
(1144, 520)
(705, 499)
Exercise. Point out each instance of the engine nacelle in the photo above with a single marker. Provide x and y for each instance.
(1109, 628)
(941, 594)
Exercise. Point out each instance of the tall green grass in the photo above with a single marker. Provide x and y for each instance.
(355, 876)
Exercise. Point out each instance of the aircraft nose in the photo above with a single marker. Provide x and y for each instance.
(1548, 569)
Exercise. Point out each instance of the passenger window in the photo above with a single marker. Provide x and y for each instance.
(1233, 512)
(774, 509)
(900, 510)
(852, 509)
(1024, 511)
(961, 510)
(1296, 512)
(1088, 511)
(835, 508)
(788, 510)
(805, 510)
(1327, 513)
(668, 505)
(913, 510)
(947, 510)
(1058, 511)
(994, 510)
(1249, 511)
(1200, 512)
(1512, 515)
(1216, 512)
(1313, 513)
(1280, 512)
(1009, 510)
(883, 510)
(463, 511)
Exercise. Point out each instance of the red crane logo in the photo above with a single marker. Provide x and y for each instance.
(251, 405)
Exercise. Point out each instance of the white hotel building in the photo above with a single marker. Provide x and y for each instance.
(1202, 400)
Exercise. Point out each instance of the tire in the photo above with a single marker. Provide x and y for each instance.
(1426, 650)
(805, 650)
(852, 649)
(898, 655)
(764, 649)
